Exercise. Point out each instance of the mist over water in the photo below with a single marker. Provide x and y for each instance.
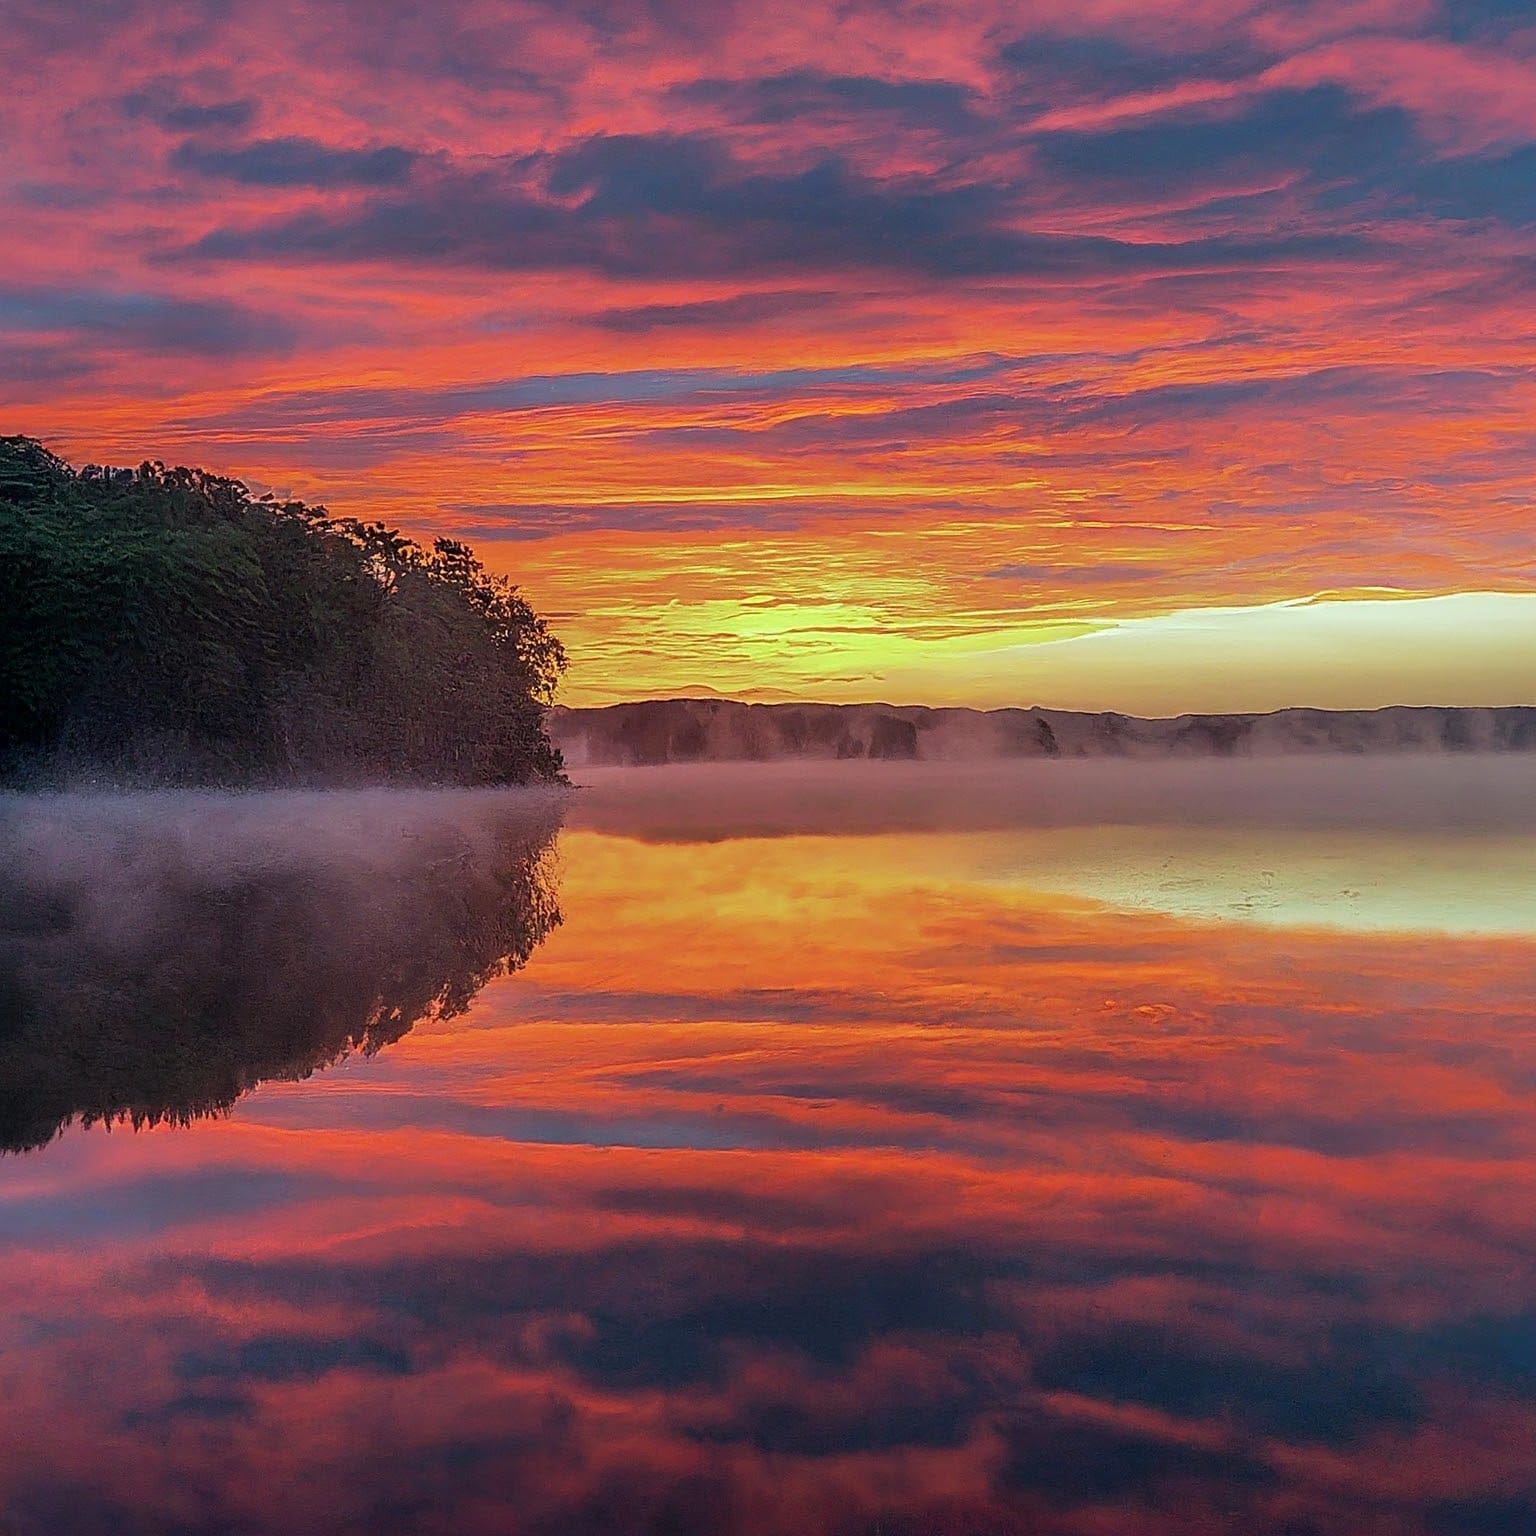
(162, 953)
(1430, 794)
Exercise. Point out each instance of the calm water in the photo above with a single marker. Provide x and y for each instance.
(1081, 1149)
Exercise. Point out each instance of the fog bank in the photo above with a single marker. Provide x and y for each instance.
(660, 731)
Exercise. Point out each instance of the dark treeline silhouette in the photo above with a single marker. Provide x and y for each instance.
(166, 624)
(161, 955)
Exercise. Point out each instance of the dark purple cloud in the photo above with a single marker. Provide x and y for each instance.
(797, 95)
(740, 309)
(145, 322)
(295, 162)
(164, 105)
(649, 206)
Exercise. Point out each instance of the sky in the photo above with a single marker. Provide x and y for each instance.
(1138, 354)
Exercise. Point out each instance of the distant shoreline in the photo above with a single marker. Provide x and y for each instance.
(659, 731)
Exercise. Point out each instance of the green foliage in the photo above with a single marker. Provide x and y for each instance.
(165, 620)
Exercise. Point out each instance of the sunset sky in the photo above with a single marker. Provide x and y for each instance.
(1138, 354)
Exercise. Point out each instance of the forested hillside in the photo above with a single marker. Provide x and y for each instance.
(166, 624)
(726, 730)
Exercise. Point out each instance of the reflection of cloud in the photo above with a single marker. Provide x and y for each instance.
(1418, 881)
(1050, 1214)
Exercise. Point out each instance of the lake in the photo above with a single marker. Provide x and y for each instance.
(1083, 1149)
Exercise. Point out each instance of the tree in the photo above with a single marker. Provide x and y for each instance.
(164, 620)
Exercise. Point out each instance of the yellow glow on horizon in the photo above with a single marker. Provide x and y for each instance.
(1338, 653)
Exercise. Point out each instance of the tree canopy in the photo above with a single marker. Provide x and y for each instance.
(166, 623)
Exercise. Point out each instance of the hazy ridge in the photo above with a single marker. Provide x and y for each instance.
(723, 730)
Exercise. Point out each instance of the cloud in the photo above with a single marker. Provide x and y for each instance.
(166, 106)
(794, 95)
(1315, 133)
(146, 322)
(45, 366)
(296, 162)
(518, 521)
(418, 407)
(1463, 98)
(1496, 187)
(635, 206)
(1051, 70)
(1109, 573)
(1483, 20)
(742, 309)
(1343, 389)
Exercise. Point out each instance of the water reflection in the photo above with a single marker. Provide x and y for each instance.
(161, 955)
(818, 1183)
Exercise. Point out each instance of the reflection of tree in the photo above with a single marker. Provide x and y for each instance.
(159, 958)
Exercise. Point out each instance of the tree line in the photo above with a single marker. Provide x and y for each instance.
(166, 624)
